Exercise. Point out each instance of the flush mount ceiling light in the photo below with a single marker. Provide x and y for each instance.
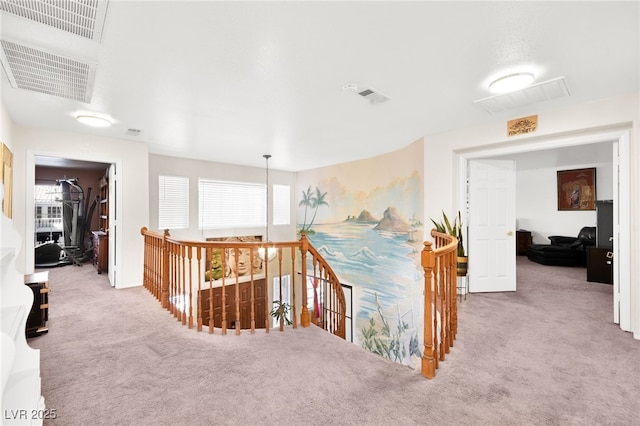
(511, 82)
(93, 121)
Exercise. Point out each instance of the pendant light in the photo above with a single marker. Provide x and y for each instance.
(268, 253)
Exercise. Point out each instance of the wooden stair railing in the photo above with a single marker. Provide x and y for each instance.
(174, 272)
(440, 303)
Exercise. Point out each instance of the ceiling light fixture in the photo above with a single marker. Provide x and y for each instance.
(511, 82)
(93, 121)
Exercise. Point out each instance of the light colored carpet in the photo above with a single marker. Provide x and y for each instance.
(546, 354)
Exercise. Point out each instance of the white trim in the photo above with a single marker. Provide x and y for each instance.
(30, 175)
(622, 194)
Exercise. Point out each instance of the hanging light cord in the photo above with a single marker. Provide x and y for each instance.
(266, 157)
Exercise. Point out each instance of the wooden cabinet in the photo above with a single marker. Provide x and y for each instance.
(244, 291)
(101, 237)
(523, 240)
(599, 265)
(103, 203)
(100, 250)
(39, 314)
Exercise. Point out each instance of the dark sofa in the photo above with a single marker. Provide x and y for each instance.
(564, 251)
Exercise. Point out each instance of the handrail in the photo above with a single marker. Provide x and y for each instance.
(440, 303)
(174, 272)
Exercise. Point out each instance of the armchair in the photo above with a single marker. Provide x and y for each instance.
(564, 251)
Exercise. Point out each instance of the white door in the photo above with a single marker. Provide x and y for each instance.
(113, 224)
(491, 235)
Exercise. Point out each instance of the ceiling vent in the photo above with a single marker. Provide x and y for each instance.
(545, 91)
(45, 72)
(373, 96)
(84, 18)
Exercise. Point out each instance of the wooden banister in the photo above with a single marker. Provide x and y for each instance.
(174, 272)
(171, 266)
(440, 308)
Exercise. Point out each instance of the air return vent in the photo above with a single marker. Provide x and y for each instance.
(373, 96)
(45, 72)
(84, 18)
(545, 91)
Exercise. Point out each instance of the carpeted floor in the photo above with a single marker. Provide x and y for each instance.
(546, 354)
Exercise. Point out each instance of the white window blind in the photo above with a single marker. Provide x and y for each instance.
(173, 202)
(225, 204)
(281, 205)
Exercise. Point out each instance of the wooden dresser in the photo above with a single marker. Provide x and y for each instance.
(100, 250)
(230, 304)
(523, 240)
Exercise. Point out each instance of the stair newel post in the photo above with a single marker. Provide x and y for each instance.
(305, 320)
(428, 262)
(293, 288)
(453, 310)
(165, 270)
(183, 255)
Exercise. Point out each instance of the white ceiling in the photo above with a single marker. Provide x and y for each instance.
(231, 81)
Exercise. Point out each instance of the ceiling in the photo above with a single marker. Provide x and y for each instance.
(231, 81)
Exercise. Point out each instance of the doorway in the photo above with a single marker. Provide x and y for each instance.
(76, 198)
(619, 140)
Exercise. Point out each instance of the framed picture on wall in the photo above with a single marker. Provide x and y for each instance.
(577, 189)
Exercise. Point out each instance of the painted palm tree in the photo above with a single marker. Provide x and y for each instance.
(307, 201)
(317, 201)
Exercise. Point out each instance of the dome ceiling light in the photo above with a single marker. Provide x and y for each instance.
(93, 121)
(511, 82)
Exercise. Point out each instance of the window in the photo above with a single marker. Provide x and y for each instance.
(173, 202)
(225, 204)
(281, 205)
(54, 212)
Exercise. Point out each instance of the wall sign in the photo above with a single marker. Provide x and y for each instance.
(523, 125)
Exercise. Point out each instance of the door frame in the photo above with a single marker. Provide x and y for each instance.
(30, 183)
(620, 138)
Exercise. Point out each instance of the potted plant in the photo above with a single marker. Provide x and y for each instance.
(454, 229)
(280, 311)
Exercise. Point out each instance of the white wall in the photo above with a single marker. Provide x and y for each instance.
(442, 151)
(6, 128)
(196, 169)
(132, 211)
(537, 205)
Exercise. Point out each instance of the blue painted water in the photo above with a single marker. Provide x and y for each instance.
(378, 263)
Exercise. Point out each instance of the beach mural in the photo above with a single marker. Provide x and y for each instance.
(365, 217)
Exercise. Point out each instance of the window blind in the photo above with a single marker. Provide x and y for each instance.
(225, 204)
(173, 202)
(281, 205)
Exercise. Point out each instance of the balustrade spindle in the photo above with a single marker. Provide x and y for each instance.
(189, 254)
(170, 267)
